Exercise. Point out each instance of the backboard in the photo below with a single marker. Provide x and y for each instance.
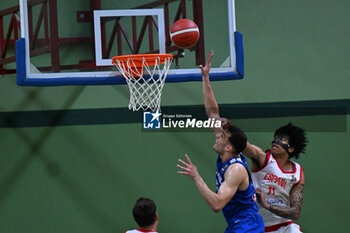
(72, 42)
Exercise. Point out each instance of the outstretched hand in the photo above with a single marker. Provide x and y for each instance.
(206, 69)
(188, 168)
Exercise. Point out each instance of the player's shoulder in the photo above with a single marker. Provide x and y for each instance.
(298, 165)
(236, 173)
(133, 231)
(236, 168)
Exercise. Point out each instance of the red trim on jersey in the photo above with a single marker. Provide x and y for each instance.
(294, 168)
(139, 230)
(144, 230)
(277, 226)
(301, 173)
(267, 158)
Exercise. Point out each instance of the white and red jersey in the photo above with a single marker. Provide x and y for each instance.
(139, 231)
(276, 184)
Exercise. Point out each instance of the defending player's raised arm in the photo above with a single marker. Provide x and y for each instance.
(256, 154)
(211, 106)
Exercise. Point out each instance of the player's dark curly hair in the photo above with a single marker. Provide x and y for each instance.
(297, 138)
(238, 138)
(144, 212)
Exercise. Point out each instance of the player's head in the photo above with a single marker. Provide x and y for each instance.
(238, 139)
(144, 212)
(232, 140)
(291, 138)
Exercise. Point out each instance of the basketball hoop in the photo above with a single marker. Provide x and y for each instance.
(145, 75)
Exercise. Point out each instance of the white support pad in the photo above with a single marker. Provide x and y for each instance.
(98, 14)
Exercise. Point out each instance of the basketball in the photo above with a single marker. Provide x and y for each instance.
(184, 33)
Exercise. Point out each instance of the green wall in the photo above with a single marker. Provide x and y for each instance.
(74, 160)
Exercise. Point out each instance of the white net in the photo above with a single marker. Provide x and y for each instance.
(145, 84)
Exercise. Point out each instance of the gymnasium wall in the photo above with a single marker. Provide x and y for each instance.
(74, 159)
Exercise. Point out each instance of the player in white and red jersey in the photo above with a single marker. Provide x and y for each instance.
(145, 215)
(279, 182)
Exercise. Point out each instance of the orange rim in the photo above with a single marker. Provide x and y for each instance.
(137, 58)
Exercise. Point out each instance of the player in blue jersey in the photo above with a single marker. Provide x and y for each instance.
(235, 195)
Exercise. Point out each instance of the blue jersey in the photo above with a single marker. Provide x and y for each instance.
(241, 212)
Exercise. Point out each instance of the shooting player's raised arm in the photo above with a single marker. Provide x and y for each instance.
(211, 106)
